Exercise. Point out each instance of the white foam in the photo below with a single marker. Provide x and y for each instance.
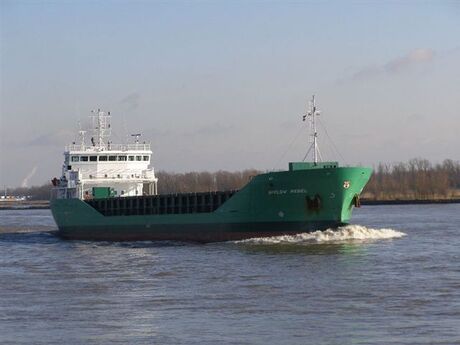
(342, 234)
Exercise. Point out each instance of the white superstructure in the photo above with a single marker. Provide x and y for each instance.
(121, 168)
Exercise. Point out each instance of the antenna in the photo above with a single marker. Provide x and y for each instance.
(81, 134)
(82, 139)
(311, 115)
(137, 135)
(101, 127)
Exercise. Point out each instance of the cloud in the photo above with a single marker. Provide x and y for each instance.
(57, 138)
(453, 52)
(366, 73)
(417, 57)
(131, 101)
(211, 129)
(415, 118)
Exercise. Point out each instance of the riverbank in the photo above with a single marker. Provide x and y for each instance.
(371, 202)
(24, 204)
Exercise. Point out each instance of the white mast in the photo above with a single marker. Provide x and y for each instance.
(311, 114)
(82, 139)
(101, 128)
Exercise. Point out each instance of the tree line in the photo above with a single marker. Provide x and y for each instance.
(203, 181)
(42, 192)
(415, 179)
(168, 182)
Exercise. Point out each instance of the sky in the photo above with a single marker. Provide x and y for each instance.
(224, 84)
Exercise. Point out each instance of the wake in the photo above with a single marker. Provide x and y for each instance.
(348, 233)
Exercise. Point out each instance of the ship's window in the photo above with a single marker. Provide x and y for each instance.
(75, 158)
(138, 158)
(112, 158)
(102, 158)
(93, 158)
(121, 158)
(131, 158)
(84, 158)
(146, 158)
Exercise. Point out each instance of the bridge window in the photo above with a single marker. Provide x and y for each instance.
(102, 158)
(131, 158)
(122, 158)
(84, 158)
(138, 158)
(112, 158)
(93, 158)
(146, 158)
(75, 158)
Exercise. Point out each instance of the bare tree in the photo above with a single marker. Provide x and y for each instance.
(416, 179)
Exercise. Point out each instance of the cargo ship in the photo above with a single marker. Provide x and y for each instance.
(109, 192)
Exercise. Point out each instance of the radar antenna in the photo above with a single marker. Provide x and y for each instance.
(136, 136)
(311, 115)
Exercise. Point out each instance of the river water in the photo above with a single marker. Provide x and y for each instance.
(391, 278)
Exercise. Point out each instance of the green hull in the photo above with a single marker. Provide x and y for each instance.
(270, 204)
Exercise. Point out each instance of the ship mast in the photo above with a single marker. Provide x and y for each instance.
(311, 114)
(101, 128)
(82, 139)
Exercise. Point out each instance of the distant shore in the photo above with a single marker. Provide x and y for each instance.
(45, 204)
(371, 202)
(25, 205)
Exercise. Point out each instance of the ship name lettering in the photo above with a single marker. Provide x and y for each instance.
(298, 191)
(277, 192)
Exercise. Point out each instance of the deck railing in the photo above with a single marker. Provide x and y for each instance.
(108, 148)
(121, 174)
(64, 193)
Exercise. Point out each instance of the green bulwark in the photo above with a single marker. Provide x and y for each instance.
(310, 165)
(305, 198)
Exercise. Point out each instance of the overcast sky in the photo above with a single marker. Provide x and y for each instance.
(223, 84)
